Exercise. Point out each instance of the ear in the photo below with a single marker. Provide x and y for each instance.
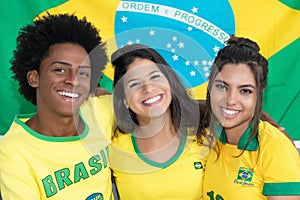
(33, 78)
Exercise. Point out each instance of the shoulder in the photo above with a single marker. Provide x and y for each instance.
(11, 143)
(98, 107)
(17, 130)
(98, 113)
(104, 101)
(269, 133)
(122, 139)
(274, 143)
(195, 148)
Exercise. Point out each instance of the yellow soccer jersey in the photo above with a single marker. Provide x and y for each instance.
(138, 178)
(35, 166)
(270, 166)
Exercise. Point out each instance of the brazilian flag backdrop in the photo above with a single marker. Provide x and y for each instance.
(187, 34)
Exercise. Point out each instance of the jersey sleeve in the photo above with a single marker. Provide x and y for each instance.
(98, 111)
(281, 168)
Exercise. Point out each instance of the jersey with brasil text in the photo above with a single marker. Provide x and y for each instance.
(138, 178)
(270, 166)
(35, 166)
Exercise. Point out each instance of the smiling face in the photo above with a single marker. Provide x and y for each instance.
(63, 82)
(233, 97)
(147, 90)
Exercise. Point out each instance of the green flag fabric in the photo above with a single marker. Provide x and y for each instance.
(187, 35)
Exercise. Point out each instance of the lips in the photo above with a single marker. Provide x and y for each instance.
(153, 100)
(68, 96)
(230, 112)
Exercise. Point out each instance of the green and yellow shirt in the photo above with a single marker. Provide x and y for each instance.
(138, 177)
(270, 166)
(35, 166)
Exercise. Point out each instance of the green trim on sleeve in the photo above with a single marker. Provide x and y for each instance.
(281, 189)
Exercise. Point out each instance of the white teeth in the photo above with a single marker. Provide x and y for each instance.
(152, 100)
(229, 112)
(68, 94)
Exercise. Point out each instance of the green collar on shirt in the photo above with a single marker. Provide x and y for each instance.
(253, 145)
(22, 118)
(157, 164)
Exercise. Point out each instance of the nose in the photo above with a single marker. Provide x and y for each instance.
(72, 79)
(231, 97)
(147, 88)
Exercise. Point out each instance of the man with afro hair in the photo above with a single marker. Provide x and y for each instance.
(59, 152)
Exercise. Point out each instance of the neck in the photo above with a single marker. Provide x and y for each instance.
(233, 135)
(57, 126)
(158, 141)
(154, 127)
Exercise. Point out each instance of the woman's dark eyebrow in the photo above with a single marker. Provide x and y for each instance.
(247, 85)
(221, 81)
(153, 72)
(241, 86)
(135, 79)
(84, 66)
(131, 80)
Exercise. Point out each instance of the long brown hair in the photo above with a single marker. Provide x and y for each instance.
(239, 50)
(184, 111)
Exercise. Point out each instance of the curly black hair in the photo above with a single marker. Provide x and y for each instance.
(34, 41)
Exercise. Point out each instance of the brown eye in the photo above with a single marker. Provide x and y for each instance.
(246, 91)
(220, 86)
(84, 74)
(60, 70)
(155, 76)
(133, 85)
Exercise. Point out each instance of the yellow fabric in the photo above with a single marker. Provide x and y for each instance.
(274, 168)
(179, 179)
(34, 166)
(199, 92)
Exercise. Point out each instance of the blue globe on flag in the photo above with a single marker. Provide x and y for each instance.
(188, 35)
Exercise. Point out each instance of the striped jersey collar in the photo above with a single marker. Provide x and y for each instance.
(253, 145)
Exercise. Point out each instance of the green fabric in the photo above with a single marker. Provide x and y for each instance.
(19, 120)
(295, 4)
(14, 15)
(253, 145)
(281, 98)
(106, 83)
(288, 188)
(280, 101)
(156, 164)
